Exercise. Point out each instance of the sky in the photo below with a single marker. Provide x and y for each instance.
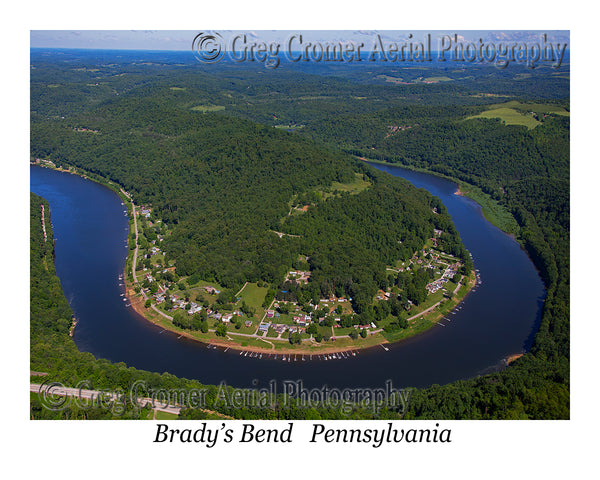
(182, 39)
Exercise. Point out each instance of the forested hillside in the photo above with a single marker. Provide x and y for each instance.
(225, 186)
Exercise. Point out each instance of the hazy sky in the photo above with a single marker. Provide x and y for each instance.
(182, 39)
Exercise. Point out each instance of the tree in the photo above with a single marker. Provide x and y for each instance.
(221, 330)
(148, 303)
(168, 303)
(295, 338)
(363, 333)
(284, 308)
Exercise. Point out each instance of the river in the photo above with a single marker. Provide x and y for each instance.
(498, 318)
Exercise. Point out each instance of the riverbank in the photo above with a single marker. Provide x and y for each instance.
(418, 324)
(492, 211)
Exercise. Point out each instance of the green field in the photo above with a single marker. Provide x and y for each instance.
(254, 296)
(517, 113)
(160, 415)
(208, 108)
(509, 116)
(437, 79)
(356, 186)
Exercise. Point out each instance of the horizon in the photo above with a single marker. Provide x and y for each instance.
(181, 40)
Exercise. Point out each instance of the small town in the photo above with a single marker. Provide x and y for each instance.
(250, 319)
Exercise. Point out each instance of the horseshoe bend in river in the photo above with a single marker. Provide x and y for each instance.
(497, 319)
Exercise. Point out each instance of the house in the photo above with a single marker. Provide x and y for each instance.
(194, 308)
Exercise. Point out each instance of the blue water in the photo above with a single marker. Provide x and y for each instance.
(497, 319)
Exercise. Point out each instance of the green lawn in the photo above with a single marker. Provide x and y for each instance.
(254, 296)
(509, 116)
(272, 333)
(354, 187)
(160, 415)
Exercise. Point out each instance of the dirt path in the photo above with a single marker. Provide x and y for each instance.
(270, 343)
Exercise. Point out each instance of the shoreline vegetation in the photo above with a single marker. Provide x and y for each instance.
(419, 322)
(491, 210)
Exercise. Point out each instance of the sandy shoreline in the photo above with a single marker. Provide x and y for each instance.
(513, 357)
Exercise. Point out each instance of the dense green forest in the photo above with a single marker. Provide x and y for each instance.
(225, 186)
(169, 135)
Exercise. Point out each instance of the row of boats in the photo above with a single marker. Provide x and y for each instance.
(458, 309)
(294, 357)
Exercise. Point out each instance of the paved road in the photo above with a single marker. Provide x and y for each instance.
(60, 391)
(135, 253)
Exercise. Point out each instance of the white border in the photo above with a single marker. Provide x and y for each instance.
(480, 449)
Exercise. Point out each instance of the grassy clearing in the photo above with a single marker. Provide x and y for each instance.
(517, 113)
(208, 108)
(509, 116)
(356, 186)
(389, 78)
(254, 296)
(418, 325)
(437, 79)
(538, 108)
